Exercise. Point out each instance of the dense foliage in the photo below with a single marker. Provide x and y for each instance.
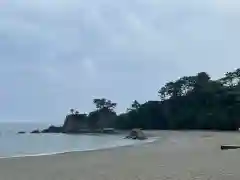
(190, 102)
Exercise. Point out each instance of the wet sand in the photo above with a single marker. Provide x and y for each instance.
(176, 155)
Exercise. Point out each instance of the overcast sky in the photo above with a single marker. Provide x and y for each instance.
(60, 54)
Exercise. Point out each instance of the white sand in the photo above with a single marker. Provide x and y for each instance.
(177, 155)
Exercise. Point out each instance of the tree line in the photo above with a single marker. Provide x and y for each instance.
(190, 102)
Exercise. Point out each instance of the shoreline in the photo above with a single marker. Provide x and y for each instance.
(153, 136)
(135, 143)
(176, 156)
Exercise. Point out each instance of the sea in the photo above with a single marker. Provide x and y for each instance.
(13, 144)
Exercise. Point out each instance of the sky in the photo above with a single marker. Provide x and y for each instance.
(61, 54)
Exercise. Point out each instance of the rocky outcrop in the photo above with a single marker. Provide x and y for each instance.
(35, 132)
(74, 123)
(99, 121)
(106, 119)
(21, 132)
(53, 129)
(102, 119)
(227, 147)
(136, 134)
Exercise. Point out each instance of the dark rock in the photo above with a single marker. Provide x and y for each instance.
(74, 123)
(99, 121)
(136, 134)
(36, 132)
(21, 132)
(106, 119)
(227, 147)
(53, 129)
(102, 119)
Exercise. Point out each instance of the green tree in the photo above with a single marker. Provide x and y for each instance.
(231, 79)
(170, 90)
(104, 104)
(72, 111)
(190, 102)
(201, 81)
(134, 106)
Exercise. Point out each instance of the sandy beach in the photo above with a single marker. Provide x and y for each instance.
(176, 155)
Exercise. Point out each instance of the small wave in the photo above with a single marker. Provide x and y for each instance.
(115, 145)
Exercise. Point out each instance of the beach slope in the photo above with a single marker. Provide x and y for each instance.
(176, 155)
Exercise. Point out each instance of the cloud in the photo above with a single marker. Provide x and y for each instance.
(59, 54)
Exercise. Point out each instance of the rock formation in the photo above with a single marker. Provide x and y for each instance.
(99, 121)
(102, 119)
(53, 129)
(35, 131)
(74, 123)
(21, 132)
(136, 134)
(227, 147)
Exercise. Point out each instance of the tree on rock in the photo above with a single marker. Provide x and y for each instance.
(135, 106)
(72, 111)
(104, 116)
(104, 104)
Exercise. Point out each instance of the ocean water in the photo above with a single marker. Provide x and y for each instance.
(15, 145)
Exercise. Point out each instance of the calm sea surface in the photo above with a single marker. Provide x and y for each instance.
(13, 144)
